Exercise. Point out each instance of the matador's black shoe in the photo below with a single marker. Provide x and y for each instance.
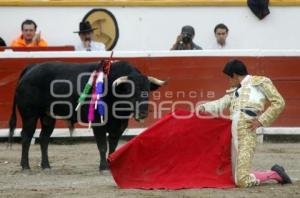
(281, 172)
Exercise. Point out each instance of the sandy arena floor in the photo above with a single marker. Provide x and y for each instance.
(75, 173)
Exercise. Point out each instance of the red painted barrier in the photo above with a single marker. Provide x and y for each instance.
(191, 79)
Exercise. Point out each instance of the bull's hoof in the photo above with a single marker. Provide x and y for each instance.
(44, 167)
(25, 167)
(103, 167)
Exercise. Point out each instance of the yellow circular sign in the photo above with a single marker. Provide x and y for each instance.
(106, 25)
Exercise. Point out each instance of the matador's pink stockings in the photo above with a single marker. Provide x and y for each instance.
(267, 175)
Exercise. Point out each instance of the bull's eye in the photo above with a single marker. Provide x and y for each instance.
(144, 94)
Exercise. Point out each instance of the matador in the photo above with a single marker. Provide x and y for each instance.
(246, 101)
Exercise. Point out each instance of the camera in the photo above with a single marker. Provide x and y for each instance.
(186, 37)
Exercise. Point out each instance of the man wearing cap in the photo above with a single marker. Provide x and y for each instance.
(246, 101)
(185, 40)
(87, 44)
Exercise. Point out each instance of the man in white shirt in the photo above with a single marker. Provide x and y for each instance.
(221, 33)
(87, 44)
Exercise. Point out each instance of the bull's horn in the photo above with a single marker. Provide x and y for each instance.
(156, 81)
(120, 80)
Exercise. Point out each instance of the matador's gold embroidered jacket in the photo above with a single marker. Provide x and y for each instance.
(254, 93)
(252, 96)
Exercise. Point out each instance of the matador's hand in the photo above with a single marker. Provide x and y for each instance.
(200, 109)
(254, 124)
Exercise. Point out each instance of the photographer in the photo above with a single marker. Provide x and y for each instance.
(185, 40)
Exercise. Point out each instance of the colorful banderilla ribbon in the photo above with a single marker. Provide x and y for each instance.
(91, 114)
(86, 90)
(96, 83)
(99, 92)
(99, 105)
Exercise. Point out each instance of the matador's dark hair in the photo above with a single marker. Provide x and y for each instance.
(235, 67)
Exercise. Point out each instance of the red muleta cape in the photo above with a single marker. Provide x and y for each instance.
(176, 153)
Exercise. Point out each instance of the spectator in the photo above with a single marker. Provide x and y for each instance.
(2, 42)
(185, 39)
(86, 33)
(29, 37)
(221, 33)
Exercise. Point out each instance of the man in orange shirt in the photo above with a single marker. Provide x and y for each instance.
(29, 37)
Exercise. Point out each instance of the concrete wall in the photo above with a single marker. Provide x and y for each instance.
(156, 28)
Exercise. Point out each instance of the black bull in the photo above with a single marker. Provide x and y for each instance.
(50, 90)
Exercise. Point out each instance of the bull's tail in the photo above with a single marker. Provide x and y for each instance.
(13, 118)
(12, 123)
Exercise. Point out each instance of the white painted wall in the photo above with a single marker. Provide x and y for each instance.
(156, 28)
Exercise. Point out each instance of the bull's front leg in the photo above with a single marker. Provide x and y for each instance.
(115, 132)
(100, 136)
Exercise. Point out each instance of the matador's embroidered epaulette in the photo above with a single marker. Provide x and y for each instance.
(257, 80)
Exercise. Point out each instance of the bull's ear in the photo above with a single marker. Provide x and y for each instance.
(155, 83)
